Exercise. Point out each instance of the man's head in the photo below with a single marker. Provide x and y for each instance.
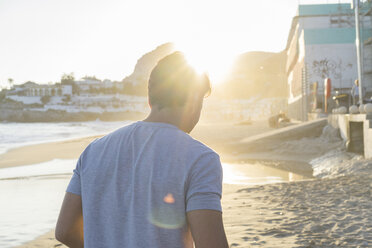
(356, 82)
(174, 86)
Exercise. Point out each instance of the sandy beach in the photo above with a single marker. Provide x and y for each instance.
(315, 213)
(321, 212)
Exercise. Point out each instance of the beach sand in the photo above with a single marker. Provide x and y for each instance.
(312, 213)
(315, 213)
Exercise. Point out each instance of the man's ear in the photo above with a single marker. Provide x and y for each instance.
(194, 103)
(198, 100)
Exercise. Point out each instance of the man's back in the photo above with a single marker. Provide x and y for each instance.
(138, 183)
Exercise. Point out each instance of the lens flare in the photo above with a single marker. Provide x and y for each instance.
(169, 198)
(168, 213)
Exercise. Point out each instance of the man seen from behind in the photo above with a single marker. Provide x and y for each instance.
(149, 184)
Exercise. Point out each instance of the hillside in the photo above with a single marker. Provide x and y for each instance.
(256, 74)
(136, 83)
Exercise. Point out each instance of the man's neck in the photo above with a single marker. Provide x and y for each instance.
(165, 116)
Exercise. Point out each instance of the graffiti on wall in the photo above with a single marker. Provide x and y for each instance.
(328, 68)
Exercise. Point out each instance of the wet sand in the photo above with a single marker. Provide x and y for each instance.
(315, 213)
(35, 154)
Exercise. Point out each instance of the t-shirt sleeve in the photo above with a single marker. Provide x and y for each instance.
(74, 186)
(205, 184)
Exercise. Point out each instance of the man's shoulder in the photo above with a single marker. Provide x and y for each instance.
(169, 133)
(200, 148)
(112, 135)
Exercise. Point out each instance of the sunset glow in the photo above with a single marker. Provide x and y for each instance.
(208, 57)
(185, 123)
(106, 38)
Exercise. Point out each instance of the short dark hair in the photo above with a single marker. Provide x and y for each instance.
(173, 80)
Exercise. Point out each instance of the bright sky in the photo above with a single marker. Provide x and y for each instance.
(42, 39)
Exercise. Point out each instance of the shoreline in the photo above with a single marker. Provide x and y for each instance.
(43, 152)
(72, 148)
(18, 114)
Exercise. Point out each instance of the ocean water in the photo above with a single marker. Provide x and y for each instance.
(14, 135)
(31, 197)
(258, 173)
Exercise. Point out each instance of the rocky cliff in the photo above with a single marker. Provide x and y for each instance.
(136, 83)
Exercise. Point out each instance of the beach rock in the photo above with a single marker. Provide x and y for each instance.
(353, 109)
(361, 108)
(368, 108)
(342, 110)
(143, 68)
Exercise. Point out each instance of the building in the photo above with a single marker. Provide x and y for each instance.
(34, 89)
(90, 84)
(367, 52)
(321, 44)
(87, 84)
(108, 83)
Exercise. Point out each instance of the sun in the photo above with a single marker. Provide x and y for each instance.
(207, 58)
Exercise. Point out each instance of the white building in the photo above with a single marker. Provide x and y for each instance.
(321, 44)
(33, 89)
(107, 83)
(88, 84)
(66, 90)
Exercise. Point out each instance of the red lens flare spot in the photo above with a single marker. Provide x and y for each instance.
(169, 198)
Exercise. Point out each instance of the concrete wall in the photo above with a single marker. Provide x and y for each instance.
(292, 51)
(352, 134)
(334, 61)
(368, 139)
(296, 109)
(367, 67)
(260, 142)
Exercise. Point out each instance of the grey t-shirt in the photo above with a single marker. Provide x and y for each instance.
(138, 182)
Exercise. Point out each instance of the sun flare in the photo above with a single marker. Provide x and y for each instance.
(208, 58)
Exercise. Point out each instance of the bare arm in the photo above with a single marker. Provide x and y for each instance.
(207, 229)
(69, 229)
